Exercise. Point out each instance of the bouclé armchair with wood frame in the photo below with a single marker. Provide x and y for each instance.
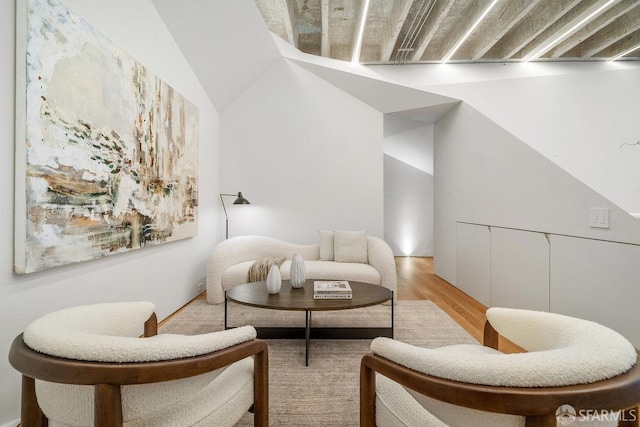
(81, 366)
(571, 367)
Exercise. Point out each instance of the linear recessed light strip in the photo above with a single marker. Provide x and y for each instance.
(468, 33)
(548, 46)
(626, 52)
(356, 50)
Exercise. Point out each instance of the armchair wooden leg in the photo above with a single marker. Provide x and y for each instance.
(261, 388)
(367, 395)
(107, 406)
(31, 414)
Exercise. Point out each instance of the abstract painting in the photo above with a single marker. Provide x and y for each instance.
(106, 152)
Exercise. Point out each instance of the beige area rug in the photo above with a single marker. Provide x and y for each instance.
(325, 393)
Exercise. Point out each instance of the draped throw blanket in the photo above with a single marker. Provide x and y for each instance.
(260, 268)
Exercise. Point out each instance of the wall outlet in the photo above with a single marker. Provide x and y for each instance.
(599, 217)
(200, 287)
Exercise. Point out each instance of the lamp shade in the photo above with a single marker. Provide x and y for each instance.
(241, 200)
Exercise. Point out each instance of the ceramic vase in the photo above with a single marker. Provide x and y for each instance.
(297, 276)
(274, 280)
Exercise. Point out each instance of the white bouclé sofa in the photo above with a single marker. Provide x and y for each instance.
(230, 261)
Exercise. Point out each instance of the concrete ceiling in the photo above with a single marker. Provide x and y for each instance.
(426, 31)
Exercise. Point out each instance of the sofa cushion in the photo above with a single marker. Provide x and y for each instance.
(326, 245)
(350, 246)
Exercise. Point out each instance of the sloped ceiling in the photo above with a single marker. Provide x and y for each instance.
(384, 96)
(229, 46)
(226, 42)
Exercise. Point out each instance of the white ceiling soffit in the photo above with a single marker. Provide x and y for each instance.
(429, 114)
(226, 42)
(385, 97)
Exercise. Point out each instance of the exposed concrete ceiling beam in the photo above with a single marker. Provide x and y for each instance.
(552, 35)
(511, 13)
(325, 47)
(287, 21)
(613, 33)
(342, 15)
(380, 18)
(600, 22)
(419, 12)
(357, 19)
(414, 31)
(276, 15)
(307, 25)
(396, 21)
(291, 10)
(627, 42)
(465, 18)
(521, 35)
(440, 11)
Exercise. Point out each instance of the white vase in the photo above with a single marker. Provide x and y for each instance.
(274, 280)
(297, 275)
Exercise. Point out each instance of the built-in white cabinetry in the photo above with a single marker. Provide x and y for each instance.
(597, 280)
(519, 269)
(591, 279)
(503, 267)
(473, 261)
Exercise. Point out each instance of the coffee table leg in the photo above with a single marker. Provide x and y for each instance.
(225, 311)
(307, 335)
(392, 325)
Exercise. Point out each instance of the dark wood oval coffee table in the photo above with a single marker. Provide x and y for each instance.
(301, 299)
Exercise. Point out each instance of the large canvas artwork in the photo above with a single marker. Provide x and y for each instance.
(106, 152)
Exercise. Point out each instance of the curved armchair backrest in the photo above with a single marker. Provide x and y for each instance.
(562, 351)
(83, 346)
(94, 332)
(570, 361)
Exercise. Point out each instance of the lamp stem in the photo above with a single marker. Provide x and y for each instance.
(226, 236)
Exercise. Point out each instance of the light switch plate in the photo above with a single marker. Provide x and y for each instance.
(599, 217)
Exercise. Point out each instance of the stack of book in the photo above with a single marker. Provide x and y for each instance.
(332, 289)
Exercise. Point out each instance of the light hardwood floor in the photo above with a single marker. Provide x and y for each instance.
(416, 281)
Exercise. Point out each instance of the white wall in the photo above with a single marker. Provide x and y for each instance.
(606, 291)
(578, 121)
(306, 155)
(408, 186)
(167, 274)
(410, 141)
(576, 115)
(485, 175)
(489, 177)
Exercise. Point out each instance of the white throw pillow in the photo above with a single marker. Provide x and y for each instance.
(350, 246)
(326, 245)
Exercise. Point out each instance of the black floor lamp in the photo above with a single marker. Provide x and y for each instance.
(240, 200)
